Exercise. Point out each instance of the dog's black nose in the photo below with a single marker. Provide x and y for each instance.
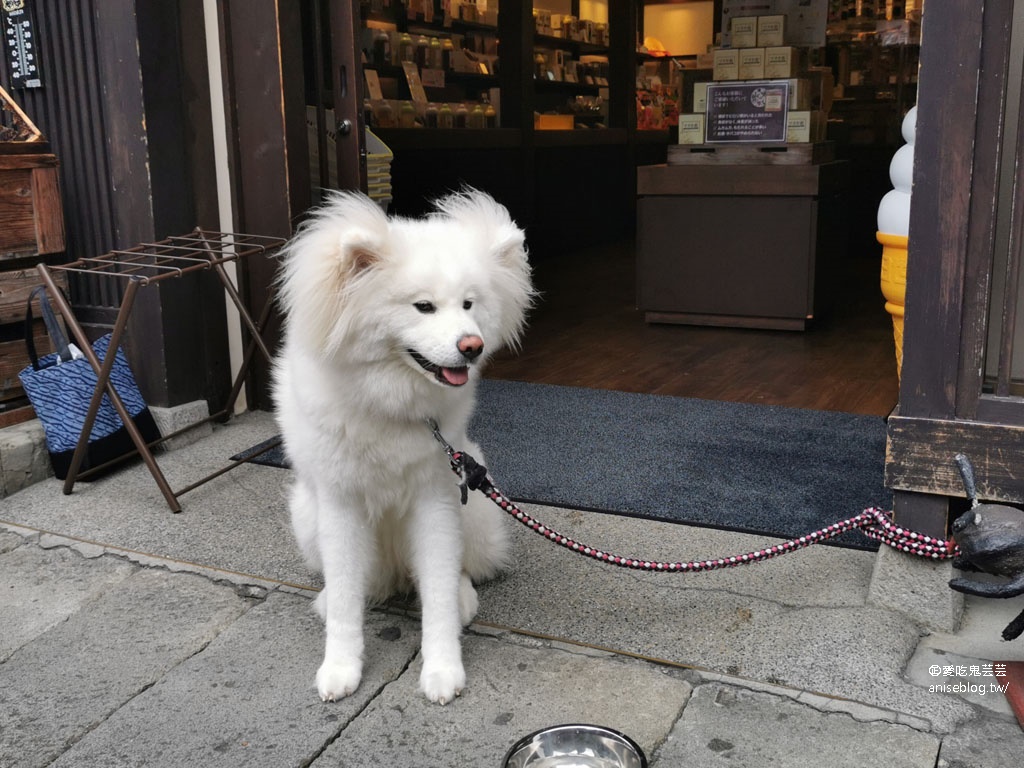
(471, 347)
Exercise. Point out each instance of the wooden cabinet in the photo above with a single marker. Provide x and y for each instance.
(738, 245)
(31, 229)
(31, 216)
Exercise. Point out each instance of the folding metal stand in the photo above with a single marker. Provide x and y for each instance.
(144, 265)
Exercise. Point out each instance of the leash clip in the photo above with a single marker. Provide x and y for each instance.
(456, 459)
(472, 475)
(436, 429)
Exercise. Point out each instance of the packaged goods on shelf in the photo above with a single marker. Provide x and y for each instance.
(771, 31)
(727, 64)
(751, 64)
(700, 97)
(554, 122)
(743, 31)
(691, 129)
(804, 126)
(782, 62)
(378, 170)
(542, 19)
(801, 95)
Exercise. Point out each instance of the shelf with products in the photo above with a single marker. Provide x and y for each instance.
(430, 60)
(401, 140)
(876, 67)
(570, 69)
(576, 47)
(425, 69)
(661, 82)
(561, 149)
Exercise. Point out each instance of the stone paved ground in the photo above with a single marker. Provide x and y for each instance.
(106, 660)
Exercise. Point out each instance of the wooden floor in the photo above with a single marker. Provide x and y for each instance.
(585, 331)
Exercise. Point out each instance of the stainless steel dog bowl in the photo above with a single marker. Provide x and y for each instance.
(575, 746)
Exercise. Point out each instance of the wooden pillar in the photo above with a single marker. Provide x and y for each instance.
(266, 127)
(964, 45)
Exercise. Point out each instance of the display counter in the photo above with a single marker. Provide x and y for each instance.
(749, 246)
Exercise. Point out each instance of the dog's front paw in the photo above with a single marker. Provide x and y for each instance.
(337, 679)
(441, 683)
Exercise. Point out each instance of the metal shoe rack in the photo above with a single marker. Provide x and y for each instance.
(144, 265)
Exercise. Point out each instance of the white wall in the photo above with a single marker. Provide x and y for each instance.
(592, 10)
(684, 29)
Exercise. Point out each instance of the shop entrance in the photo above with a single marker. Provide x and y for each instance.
(586, 330)
(961, 384)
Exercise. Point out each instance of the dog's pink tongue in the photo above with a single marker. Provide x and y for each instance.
(455, 376)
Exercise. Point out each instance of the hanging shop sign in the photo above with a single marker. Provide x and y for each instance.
(20, 43)
(747, 112)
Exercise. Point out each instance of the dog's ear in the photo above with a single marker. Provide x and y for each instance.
(361, 228)
(358, 251)
(506, 244)
(342, 240)
(509, 243)
(479, 211)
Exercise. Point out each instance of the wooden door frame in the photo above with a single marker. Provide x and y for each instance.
(266, 115)
(347, 84)
(270, 189)
(942, 409)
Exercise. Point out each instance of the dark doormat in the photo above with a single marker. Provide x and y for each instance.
(758, 469)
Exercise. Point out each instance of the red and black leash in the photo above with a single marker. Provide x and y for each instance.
(872, 522)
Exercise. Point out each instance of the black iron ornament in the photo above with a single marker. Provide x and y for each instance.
(991, 540)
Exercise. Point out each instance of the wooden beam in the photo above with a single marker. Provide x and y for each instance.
(347, 74)
(920, 455)
(258, 115)
(944, 154)
(125, 123)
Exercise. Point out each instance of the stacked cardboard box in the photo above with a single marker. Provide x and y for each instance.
(758, 52)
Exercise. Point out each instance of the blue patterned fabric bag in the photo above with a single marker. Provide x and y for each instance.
(60, 387)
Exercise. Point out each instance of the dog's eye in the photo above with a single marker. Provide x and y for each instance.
(426, 307)
(467, 304)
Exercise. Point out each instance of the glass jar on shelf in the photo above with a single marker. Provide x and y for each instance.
(381, 49)
(476, 117)
(407, 115)
(422, 53)
(445, 117)
(436, 58)
(384, 114)
(406, 48)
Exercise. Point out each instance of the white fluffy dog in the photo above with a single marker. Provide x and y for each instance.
(388, 322)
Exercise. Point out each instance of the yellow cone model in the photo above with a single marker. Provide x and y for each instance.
(893, 226)
(894, 285)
